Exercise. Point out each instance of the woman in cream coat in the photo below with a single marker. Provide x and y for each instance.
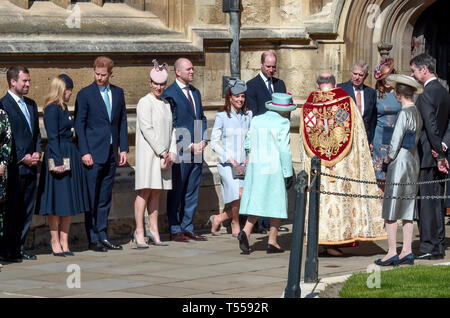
(155, 154)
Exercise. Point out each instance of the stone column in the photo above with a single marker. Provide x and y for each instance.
(24, 4)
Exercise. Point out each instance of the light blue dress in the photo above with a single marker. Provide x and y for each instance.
(387, 109)
(231, 131)
(270, 161)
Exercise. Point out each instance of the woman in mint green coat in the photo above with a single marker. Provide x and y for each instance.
(269, 171)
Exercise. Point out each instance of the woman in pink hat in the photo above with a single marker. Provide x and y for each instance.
(155, 154)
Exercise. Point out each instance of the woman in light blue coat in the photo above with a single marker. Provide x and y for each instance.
(230, 127)
(269, 170)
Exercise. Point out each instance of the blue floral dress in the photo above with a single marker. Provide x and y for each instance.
(387, 109)
(5, 151)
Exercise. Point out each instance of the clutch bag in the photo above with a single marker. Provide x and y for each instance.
(51, 164)
(408, 141)
(236, 174)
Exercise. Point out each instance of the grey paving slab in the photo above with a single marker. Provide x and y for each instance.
(62, 266)
(164, 291)
(14, 285)
(145, 267)
(13, 273)
(56, 292)
(112, 294)
(110, 284)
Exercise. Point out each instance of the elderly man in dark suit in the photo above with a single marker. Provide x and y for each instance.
(434, 106)
(22, 171)
(364, 97)
(190, 124)
(101, 128)
(259, 91)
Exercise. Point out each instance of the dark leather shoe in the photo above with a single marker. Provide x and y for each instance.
(194, 236)
(110, 246)
(28, 256)
(97, 247)
(179, 237)
(11, 259)
(243, 242)
(272, 249)
(423, 256)
(283, 229)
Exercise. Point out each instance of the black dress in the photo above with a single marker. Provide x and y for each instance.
(61, 194)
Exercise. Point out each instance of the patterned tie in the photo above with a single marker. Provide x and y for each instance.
(190, 98)
(269, 85)
(358, 100)
(24, 109)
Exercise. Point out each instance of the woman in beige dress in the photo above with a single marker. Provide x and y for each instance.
(155, 154)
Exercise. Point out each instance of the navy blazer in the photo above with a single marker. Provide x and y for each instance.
(92, 124)
(370, 107)
(24, 140)
(258, 94)
(184, 117)
(434, 106)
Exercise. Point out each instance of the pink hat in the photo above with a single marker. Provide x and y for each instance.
(159, 73)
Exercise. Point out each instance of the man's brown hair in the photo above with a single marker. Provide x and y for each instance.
(104, 61)
(13, 73)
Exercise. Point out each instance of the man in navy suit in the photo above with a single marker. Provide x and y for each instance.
(259, 91)
(364, 97)
(190, 124)
(262, 86)
(101, 128)
(22, 171)
(434, 106)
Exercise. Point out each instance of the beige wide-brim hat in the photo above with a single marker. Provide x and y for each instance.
(393, 79)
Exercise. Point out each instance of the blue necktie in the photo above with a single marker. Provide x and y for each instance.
(108, 105)
(24, 109)
(107, 102)
(269, 84)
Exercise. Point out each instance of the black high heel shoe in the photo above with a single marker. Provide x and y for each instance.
(392, 261)
(243, 242)
(273, 249)
(62, 254)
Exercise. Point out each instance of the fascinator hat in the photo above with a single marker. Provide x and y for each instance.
(237, 86)
(67, 80)
(159, 74)
(395, 79)
(383, 69)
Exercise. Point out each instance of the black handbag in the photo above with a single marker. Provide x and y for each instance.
(408, 141)
(236, 174)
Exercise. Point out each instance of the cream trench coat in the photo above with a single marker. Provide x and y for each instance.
(154, 136)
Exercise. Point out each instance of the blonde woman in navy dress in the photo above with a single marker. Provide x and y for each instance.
(62, 192)
(230, 127)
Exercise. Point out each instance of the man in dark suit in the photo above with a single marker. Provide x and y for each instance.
(434, 106)
(190, 124)
(364, 97)
(22, 171)
(262, 86)
(259, 91)
(101, 128)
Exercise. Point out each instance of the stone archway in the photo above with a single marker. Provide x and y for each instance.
(367, 23)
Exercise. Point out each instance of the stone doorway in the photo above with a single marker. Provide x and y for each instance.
(431, 36)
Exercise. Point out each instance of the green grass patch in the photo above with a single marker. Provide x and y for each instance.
(418, 281)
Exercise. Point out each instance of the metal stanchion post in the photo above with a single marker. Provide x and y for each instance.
(312, 262)
(292, 289)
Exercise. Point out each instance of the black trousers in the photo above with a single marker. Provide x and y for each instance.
(431, 214)
(20, 200)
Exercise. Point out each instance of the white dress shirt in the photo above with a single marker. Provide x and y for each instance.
(266, 81)
(362, 97)
(182, 86)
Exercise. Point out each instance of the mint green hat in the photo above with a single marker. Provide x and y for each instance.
(281, 103)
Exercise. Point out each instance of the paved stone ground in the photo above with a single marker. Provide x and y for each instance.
(212, 269)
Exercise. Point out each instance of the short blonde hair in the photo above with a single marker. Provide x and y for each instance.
(55, 93)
